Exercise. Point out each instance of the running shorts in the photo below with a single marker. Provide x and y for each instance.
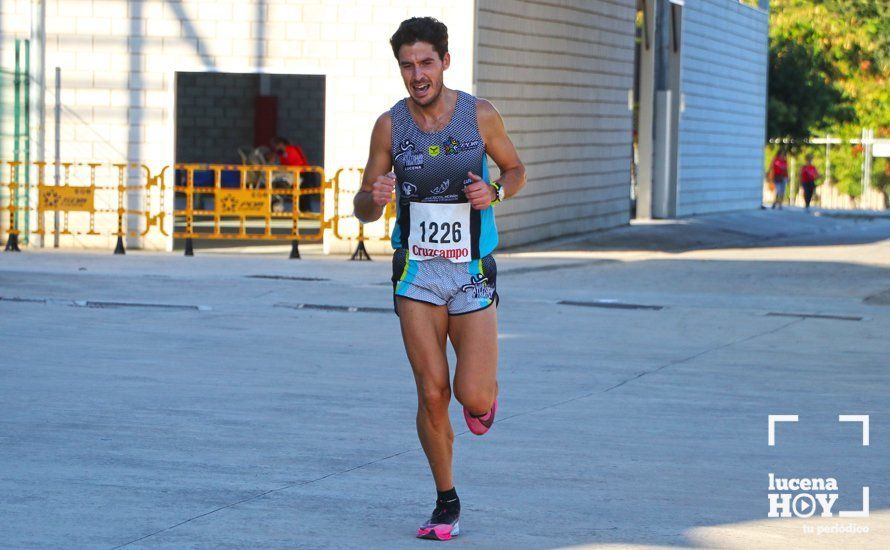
(463, 287)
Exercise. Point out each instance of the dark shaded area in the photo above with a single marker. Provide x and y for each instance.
(139, 305)
(816, 316)
(554, 267)
(745, 229)
(879, 299)
(215, 114)
(609, 305)
(338, 308)
(287, 278)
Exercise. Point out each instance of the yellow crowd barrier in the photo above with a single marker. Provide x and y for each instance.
(209, 201)
(262, 202)
(346, 183)
(90, 194)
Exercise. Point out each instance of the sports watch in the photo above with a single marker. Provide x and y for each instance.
(499, 189)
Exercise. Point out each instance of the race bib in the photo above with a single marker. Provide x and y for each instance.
(440, 231)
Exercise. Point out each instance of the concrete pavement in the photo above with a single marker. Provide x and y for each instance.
(157, 401)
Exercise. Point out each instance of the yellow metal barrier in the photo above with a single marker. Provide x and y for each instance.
(342, 197)
(251, 208)
(80, 194)
(210, 201)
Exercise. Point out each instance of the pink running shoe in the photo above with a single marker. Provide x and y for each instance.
(443, 525)
(481, 424)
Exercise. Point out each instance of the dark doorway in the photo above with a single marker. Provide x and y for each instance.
(230, 118)
(219, 113)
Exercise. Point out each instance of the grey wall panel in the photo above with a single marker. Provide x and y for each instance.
(722, 128)
(559, 73)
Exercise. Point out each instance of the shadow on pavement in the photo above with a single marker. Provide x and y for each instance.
(744, 229)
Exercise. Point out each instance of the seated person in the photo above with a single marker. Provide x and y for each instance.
(288, 154)
(292, 155)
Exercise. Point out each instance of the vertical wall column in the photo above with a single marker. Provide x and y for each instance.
(667, 110)
(38, 100)
(646, 113)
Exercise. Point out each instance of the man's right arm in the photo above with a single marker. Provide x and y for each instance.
(378, 181)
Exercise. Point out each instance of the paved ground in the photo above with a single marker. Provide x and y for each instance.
(240, 420)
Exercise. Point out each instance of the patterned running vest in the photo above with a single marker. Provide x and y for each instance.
(434, 218)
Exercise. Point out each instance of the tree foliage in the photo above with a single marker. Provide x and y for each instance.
(829, 64)
(802, 99)
(829, 61)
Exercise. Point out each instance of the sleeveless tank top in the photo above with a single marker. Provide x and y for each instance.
(431, 172)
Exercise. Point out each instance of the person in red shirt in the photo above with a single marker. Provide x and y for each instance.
(288, 154)
(808, 177)
(778, 169)
(292, 155)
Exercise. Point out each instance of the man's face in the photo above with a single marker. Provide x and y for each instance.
(422, 71)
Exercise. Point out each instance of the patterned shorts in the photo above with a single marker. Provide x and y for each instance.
(463, 287)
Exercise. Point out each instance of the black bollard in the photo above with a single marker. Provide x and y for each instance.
(360, 253)
(295, 250)
(189, 249)
(12, 245)
(119, 249)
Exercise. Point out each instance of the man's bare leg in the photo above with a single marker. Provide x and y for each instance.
(475, 340)
(424, 330)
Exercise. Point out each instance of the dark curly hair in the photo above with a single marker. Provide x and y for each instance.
(421, 29)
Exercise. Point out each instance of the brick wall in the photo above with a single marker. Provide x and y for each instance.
(301, 108)
(214, 116)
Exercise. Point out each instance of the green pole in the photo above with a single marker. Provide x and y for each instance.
(27, 137)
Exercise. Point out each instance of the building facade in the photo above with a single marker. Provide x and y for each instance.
(162, 81)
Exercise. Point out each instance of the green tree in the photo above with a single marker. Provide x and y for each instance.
(829, 62)
(802, 98)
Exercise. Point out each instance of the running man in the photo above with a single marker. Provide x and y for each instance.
(431, 149)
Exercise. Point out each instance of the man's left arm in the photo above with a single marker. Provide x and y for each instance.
(502, 151)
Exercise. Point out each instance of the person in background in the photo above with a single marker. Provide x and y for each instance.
(292, 155)
(808, 177)
(778, 169)
(288, 154)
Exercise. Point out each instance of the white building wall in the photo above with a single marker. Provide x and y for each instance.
(119, 57)
(723, 126)
(559, 73)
